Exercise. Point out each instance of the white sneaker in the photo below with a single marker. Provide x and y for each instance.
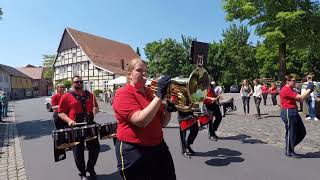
(315, 119)
(308, 118)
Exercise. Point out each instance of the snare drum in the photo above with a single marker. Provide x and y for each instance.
(88, 132)
(108, 130)
(204, 119)
(65, 138)
(187, 123)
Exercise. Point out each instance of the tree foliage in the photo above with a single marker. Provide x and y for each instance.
(169, 57)
(47, 61)
(293, 23)
(233, 58)
(1, 13)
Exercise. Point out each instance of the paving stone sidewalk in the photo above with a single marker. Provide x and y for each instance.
(11, 160)
(248, 129)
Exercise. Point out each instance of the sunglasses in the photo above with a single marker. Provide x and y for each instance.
(78, 82)
(293, 80)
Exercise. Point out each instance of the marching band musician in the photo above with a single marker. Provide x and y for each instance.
(140, 149)
(78, 106)
(187, 151)
(55, 99)
(295, 130)
(212, 104)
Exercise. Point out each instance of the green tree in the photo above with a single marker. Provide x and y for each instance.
(168, 57)
(293, 23)
(138, 52)
(1, 13)
(232, 59)
(47, 62)
(67, 83)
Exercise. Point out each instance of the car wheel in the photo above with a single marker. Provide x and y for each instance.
(49, 108)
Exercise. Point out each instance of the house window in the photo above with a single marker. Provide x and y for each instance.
(74, 54)
(85, 66)
(62, 57)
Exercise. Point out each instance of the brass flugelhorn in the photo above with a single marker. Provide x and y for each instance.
(186, 93)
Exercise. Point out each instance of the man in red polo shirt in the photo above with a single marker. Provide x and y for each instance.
(55, 100)
(140, 149)
(78, 106)
(295, 130)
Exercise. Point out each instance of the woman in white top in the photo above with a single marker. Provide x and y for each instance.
(257, 95)
(245, 92)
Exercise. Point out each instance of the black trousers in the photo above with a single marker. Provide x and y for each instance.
(193, 132)
(246, 102)
(93, 147)
(137, 162)
(257, 101)
(295, 130)
(274, 99)
(1, 111)
(265, 95)
(213, 126)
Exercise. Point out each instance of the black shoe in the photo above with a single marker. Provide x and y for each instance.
(93, 175)
(293, 155)
(187, 155)
(190, 151)
(83, 178)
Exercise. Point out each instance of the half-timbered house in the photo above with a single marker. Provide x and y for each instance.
(96, 59)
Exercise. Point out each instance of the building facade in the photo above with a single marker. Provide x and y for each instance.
(39, 83)
(96, 59)
(20, 85)
(5, 82)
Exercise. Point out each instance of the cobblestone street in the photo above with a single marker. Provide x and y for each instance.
(248, 129)
(11, 161)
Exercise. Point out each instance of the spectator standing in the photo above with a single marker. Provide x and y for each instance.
(264, 89)
(1, 105)
(311, 102)
(257, 96)
(4, 100)
(246, 92)
(273, 91)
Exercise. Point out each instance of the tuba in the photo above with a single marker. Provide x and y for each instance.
(187, 93)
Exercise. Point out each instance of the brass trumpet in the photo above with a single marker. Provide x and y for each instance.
(186, 93)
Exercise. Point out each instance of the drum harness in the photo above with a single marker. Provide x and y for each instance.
(82, 99)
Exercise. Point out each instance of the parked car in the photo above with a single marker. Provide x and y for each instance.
(234, 89)
(48, 104)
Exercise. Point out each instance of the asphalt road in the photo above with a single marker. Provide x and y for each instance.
(228, 159)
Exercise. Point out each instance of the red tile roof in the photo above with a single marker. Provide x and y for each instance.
(33, 72)
(102, 52)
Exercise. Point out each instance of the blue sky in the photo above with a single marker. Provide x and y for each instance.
(30, 29)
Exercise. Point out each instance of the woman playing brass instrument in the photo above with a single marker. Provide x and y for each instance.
(140, 149)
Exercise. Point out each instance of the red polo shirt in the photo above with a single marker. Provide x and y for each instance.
(126, 102)
(71, 106)
(287, 98)
(55, 99)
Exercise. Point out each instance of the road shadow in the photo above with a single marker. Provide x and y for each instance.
(5, 130)
(310, 155)
(35, 129)
(223, 157)
(244, 139)
(104, 148)
(113, 176)
(271, 116)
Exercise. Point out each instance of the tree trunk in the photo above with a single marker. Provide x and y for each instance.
(282, 60)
